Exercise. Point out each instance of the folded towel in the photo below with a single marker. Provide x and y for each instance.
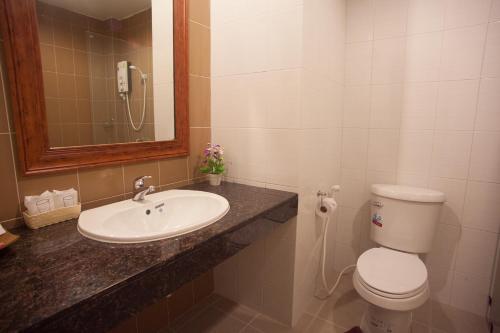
(65, 198)
(38, 204)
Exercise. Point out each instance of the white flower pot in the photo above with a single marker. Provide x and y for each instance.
(214, 180)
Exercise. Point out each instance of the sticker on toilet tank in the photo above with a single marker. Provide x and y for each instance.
(377, 219)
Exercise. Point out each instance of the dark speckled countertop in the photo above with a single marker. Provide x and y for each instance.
(54, 279)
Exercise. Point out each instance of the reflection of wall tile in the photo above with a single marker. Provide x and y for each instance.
(45, 31)
(48, 58)
(82, 87)
(69, 135)
(81, 63)
(50, 84)
(66, 86)
(62, 35)
(68, 110)
(80, 38)
(64, 61)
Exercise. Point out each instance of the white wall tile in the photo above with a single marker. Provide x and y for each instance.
(485, 159)
(440, 284)
(415, 152)
(348, 226)
(240, 101)
(426, 15)
(359, 20)
(354, 148)
(488, 109)
(451, 154)
(344, 256)
(462, 13)
(476, 252)
(470, 293)
(495, 10)
(419, 106)
(389, 18)
(383, 150)
(285, 41)
(358, 66)
(454, 190)
(356, 106)
(283, 109)
(444, 248)
(281, 157)
(456, 107)
(389, 60)
(462, 53)
(491, 67)
(353, 192)
(482, 206)
(423, 57)
(386, 105)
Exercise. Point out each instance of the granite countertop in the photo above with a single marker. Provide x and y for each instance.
(54, 277)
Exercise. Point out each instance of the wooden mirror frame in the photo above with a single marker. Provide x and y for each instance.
(23, 60)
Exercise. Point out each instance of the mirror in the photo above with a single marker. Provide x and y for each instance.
(102, 62)
(96, 82)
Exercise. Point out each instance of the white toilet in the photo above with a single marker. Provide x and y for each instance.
(392, 278)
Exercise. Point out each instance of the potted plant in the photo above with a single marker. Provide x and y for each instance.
(213, 165)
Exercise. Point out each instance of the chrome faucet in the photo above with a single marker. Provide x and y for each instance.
(140, 191)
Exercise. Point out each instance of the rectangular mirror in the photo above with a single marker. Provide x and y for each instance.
(101, 63)
(97, 82)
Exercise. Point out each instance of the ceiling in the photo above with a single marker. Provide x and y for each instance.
(102, 9)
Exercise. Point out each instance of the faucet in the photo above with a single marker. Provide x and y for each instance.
(140, 191)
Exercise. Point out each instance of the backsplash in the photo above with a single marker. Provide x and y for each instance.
(98, 186)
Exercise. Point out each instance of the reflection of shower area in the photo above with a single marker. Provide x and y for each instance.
(79, 59)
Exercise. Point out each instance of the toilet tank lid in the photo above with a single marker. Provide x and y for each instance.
(408, 193)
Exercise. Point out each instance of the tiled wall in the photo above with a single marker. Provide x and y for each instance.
(98, 186)
(276, 108)
(422, 103)
(79, 56)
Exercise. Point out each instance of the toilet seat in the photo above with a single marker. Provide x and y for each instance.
(391, 279)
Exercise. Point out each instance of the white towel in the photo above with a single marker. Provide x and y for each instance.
(38, 204)
(66, 198)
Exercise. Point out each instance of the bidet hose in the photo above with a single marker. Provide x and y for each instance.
(143, 80)
(330, 291)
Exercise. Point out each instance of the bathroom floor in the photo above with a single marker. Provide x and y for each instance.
(337, 314)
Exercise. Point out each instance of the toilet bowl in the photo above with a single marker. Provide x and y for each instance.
(392, 277)
(392, 280)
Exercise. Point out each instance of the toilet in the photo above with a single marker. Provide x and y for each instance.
(392, 277)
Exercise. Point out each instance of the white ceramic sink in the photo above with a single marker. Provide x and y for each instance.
(160, 215)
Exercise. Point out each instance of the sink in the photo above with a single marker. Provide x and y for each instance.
(161, 215)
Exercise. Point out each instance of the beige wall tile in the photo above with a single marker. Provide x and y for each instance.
(66, 86)
(62, 35)
(68, 111)
(132, 171)
(50, 84)
(173, 170)
(8, 196)
(199, 101)
(101, 183)
(199, 11)
(199, 137)
(70, 135)
(81, 63)
(199, 49)
(64, 60)
(48, 57)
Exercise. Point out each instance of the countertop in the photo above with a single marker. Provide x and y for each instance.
(53, 277)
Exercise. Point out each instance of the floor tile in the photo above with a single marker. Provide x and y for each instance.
(343, 310)
(322, 326)
(212, 320)
(241, 312)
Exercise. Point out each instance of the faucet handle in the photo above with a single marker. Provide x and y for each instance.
(139, 182)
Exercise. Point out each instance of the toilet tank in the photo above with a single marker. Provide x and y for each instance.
(404, 218)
